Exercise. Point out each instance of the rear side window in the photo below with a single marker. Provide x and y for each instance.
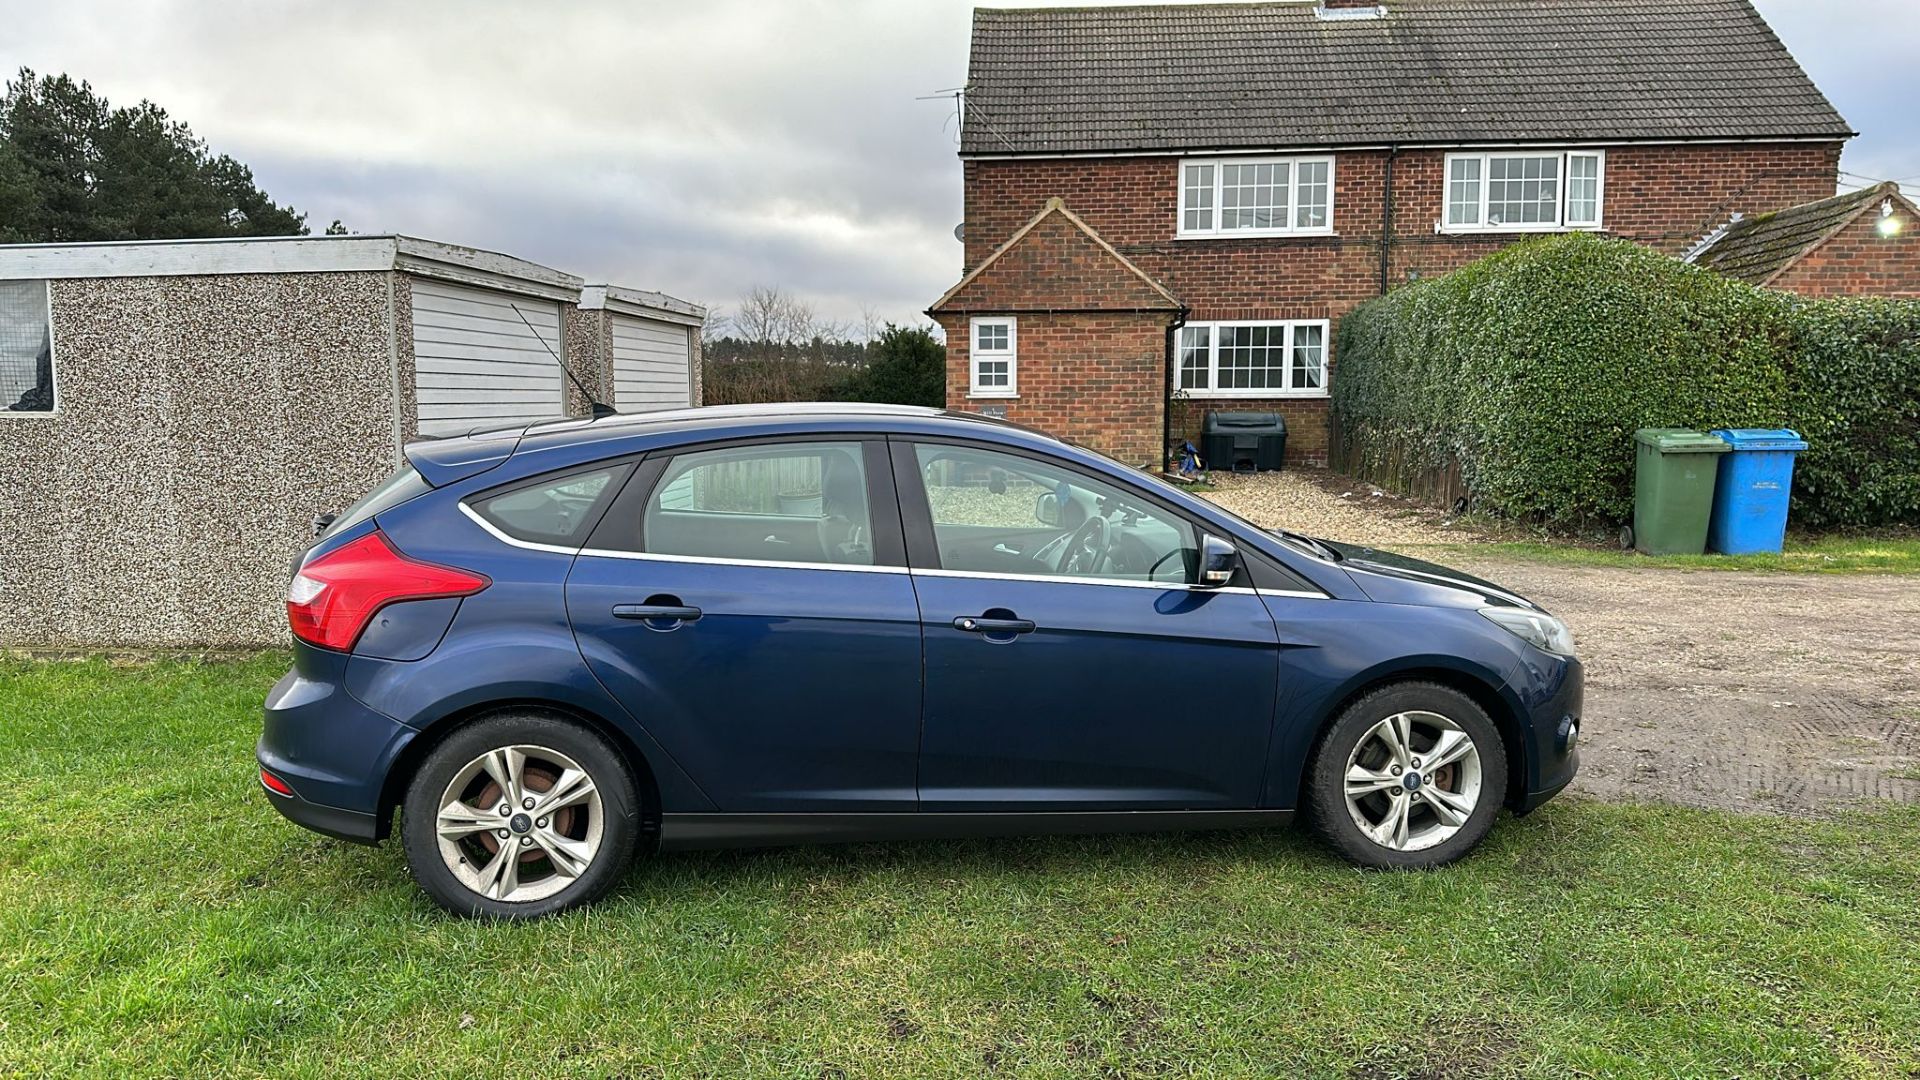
(772, 502)
(552, 510)
(394, 490)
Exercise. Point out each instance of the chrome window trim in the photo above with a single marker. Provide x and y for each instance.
(607, 553)
(640, 556)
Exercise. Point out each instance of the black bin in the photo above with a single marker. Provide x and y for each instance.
(1244, 441)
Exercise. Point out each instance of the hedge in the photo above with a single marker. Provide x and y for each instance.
(1532, 368)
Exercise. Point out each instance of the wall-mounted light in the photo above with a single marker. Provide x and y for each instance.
(1889, 224)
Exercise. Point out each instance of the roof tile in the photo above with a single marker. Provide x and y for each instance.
(1230, 76)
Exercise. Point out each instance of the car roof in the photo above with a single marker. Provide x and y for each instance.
(564, 439)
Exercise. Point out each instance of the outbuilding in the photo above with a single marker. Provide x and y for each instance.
(174, 413)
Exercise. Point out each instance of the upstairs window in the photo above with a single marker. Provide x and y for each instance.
(1524, 192)
(1256, 197)
(1253, 360)
(26, 348)
(994, 358)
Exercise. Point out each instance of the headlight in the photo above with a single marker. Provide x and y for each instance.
(1541, 630)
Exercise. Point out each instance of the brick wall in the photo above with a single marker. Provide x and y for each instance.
(1665, 197)
(1858, 261)
(1096, 378)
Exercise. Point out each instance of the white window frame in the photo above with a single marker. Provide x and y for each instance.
(1559, 222)
(1213, 388)
(1216, 232)
(1011, 355)
(53, 355)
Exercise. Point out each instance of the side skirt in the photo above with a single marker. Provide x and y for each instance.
(682, 832)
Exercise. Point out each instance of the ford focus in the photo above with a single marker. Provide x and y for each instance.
(551, 649)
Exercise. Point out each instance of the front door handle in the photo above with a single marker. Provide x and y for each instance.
(674, 613)
(980, 624)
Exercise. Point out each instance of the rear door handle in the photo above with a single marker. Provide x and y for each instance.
(973, 624)
(656, 612)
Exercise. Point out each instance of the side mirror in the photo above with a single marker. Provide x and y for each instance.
(1046, 510)
(1218, 560)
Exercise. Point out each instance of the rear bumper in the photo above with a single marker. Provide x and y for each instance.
(333, 753)
(328, 820)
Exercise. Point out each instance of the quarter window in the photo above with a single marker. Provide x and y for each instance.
(1530, 192)
(790, 502)
(1004, 514)
(1256, 197)
(551, 511)
(995, 358)
(26, 348)
(1252, 360)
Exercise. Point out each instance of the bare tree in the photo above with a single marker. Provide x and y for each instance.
(871, 324)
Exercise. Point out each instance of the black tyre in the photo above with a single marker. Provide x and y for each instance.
(519, 815)
(1410, 776)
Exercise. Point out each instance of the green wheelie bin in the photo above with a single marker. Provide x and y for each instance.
(1673, 480)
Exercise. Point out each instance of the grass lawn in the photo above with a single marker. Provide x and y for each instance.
(1832, 554)
(161, 919)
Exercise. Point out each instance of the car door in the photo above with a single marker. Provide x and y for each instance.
(749, 605)
(1057, 680)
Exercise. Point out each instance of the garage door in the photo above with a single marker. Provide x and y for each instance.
(650, 365)
(478, 363)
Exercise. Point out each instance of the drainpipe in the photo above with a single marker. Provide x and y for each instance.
(1386, 221)
(1166, 391)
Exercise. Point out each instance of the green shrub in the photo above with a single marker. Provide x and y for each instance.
(1533, 367)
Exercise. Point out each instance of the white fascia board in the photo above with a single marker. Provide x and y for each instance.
(286, 255)
(185, 258)
(486, 269)
(641, 303)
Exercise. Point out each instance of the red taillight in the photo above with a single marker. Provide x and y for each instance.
(336, 595)
(274, 783)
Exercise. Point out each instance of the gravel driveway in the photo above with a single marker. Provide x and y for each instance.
(1796, 693)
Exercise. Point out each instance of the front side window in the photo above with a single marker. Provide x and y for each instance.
(26, 348)
(1253, 360)
(551, 510)
(1524, 192)
(789, 502)
(1004, 514)
(995, 358)
(1256, 197)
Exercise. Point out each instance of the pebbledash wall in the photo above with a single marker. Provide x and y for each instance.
(1664, 196)
(203, 418)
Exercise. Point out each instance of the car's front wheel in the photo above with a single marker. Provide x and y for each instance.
(519, 815)
(1410, 776)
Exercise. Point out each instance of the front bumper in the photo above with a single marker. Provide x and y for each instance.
(1554, 697)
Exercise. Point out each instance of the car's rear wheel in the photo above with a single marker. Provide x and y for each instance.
(519, 815)
(1410, 776)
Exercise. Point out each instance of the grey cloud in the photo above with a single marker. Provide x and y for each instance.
(700, 148)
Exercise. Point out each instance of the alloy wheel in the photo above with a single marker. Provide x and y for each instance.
(520, 823)
(1413, 781)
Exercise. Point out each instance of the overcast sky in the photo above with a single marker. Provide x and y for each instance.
(693, 147)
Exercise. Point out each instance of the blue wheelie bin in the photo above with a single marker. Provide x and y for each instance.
(1750, 499)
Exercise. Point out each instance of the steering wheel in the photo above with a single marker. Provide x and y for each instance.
(1086, 551)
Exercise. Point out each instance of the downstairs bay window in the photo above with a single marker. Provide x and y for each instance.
(1252, 359)
(1524, 191)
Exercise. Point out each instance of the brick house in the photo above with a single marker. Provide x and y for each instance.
(1862, 243)
(1180, 202)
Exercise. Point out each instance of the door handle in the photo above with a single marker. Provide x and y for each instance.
(983, 625)
(656, 612)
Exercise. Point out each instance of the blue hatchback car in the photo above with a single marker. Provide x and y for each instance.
(555, 646)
